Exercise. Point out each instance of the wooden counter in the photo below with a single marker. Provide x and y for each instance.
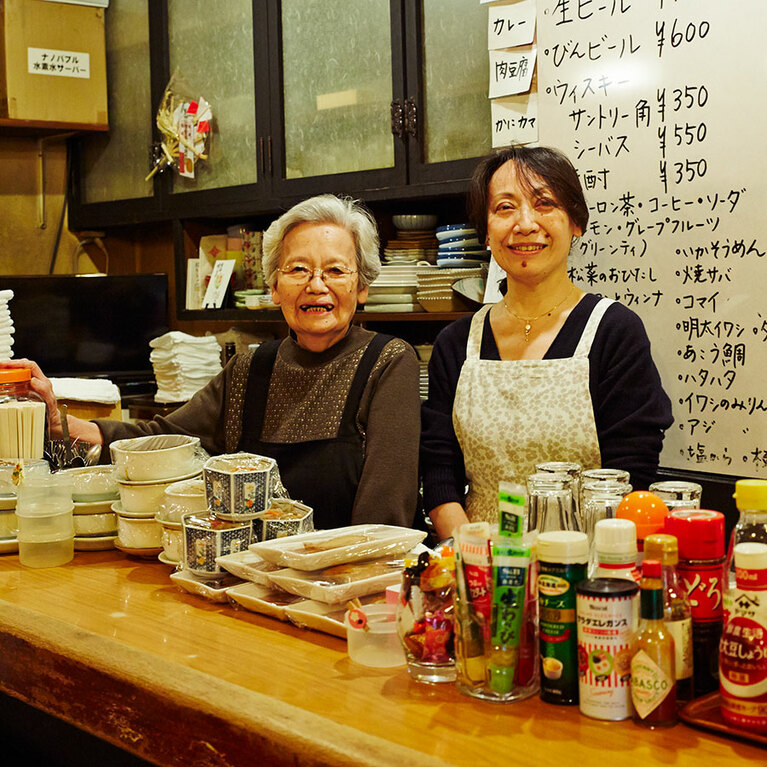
(108, 643)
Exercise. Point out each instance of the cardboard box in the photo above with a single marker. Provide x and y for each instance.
(53, 64)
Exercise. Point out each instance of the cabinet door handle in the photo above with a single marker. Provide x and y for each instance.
(261, 171)
(411, 118)
(397, 120)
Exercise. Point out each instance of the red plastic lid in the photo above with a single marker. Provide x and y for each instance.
(651, 568)
(645, 510)
(15, 375)
(700, 532)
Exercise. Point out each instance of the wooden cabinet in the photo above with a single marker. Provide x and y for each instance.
(380, 99)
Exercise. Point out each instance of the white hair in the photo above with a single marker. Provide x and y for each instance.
(326, 209)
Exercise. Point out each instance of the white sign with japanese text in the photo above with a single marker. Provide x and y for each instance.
(511, 71)
(515, 120)
(48, 61)
(510, 25)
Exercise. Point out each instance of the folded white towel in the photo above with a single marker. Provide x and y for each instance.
(86, 389)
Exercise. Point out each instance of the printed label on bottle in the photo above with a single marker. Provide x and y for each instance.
(650, 684)
(704, 586)
(682, 633)
(743, 657)
(558, 631)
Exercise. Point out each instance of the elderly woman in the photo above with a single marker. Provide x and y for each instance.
(337, 406)
(549, 372)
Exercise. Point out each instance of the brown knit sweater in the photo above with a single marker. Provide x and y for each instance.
(307, 393)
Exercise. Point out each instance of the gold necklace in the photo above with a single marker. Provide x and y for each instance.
(530, 320)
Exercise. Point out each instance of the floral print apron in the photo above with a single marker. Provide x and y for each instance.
(510, 415)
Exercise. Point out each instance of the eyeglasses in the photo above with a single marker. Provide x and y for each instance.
(330, 275)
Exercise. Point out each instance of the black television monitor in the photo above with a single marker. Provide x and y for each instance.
(89, 326)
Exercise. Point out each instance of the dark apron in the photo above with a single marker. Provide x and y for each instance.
(322, 473)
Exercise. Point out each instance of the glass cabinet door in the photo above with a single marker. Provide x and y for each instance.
(454, 109)
(114, 165)
(337, 87)
(211, 52)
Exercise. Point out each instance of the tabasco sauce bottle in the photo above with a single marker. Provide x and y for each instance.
(653, 676)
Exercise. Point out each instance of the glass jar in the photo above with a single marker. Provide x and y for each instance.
(550, 503)
(425, 616)
(678, 495)
(22, 416)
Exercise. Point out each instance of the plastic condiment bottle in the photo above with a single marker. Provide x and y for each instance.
(616, 547)
(653, 682)
(647, 512)
(751, 499)
(563, 558)
(700, 533)
(743, 649)
(676, 608)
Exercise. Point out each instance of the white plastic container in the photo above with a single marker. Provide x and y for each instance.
(379, 645)
(138, 531)
(46, 528)
(156, 457)
(182, 498)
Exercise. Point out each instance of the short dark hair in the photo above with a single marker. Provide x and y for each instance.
(546, 163)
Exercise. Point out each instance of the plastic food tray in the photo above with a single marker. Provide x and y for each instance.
(340, 583)
(375, 541)
(212, 589)
(249, 566)
(262, 599)
(308, 614)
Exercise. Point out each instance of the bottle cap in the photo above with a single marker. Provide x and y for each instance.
(651, 568)
(616, 536)
(15, 375)
(699, 533)
(645, 510)
(662, 547)
(563, 546)
(751, 494)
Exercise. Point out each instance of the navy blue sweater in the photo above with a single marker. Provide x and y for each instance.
(631, 409)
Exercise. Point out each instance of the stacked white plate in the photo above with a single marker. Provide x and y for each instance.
(410, 246)
(6, 326)
(435, 287)
(459, 247)
(394, 289)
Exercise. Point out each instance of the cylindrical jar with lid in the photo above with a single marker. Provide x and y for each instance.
(22, 416)
(563, 560)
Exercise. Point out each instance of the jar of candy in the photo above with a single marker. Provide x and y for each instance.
(425, 616)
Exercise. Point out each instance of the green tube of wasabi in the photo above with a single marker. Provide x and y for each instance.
(510, 567)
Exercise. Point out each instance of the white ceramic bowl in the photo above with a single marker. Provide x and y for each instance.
(183, 497)
(156, 457)
(93, 483)
(95, 524)
(138, 531)
(172, 539)
(414, 221)
(143, 497)
(94, 507)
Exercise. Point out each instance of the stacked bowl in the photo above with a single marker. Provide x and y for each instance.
(240, 508)
(94, 491)
(144, 468)
(459, 247)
